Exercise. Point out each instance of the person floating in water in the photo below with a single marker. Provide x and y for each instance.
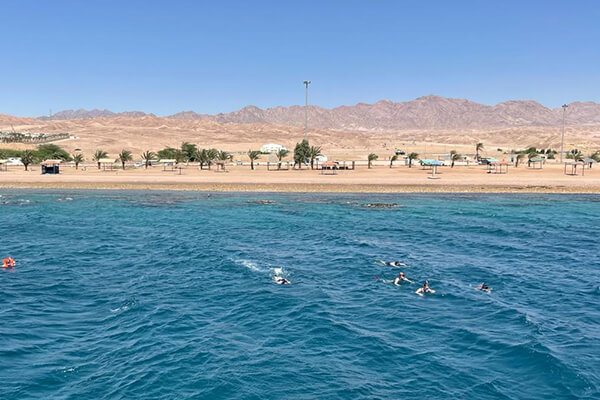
(396, 264)
(424, 289)
(484, 287)
(401, 278)
(281, 281)
(8, 262)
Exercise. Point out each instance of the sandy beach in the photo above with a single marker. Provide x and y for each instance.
(379, 179)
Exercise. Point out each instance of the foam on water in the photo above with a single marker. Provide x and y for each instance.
(138, 295)
(250, 265)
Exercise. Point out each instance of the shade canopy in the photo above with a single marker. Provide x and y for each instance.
(432, 163)
(51, 162)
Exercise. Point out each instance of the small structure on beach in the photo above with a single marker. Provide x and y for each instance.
(329, 168)
(4, 165)
(499, 167)
(536, 163)
(589, 162)
(572, 167)
(488, 160)
(50, 166)
(430, 163)
(341, 165)
(220, 166)
(104, 162)
(168, 163)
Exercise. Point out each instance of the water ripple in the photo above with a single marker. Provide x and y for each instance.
(121, 295)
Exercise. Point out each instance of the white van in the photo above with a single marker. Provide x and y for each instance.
(14, 161)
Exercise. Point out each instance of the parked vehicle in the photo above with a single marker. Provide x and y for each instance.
(14, 161)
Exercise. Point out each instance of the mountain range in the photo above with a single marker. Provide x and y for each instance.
(427, 112)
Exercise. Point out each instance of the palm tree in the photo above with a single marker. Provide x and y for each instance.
(224, 156)
(77, 159)
(189, 151)
(301, 153)
(202, 157)
(253, 155)
(394, 158)
(454, 156)
(372, 157)
(575, 154)
(147, 156)
(211, 155)
(519, 158)
(179, 156)
(281, 154)
(167, 153)
(412, 156)
(99, 154)
(478, 147)
(531, 154)
(314, 152)
(595, 156)
(124, 156)
(27, 158)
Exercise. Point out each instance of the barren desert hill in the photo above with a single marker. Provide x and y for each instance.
(150, 132)
(357, 130)
(427, 112)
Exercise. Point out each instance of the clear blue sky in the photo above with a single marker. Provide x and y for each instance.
(218, 56)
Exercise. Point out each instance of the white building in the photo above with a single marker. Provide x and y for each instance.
(271, 148)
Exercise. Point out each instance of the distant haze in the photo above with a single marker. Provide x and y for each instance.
(427, 112)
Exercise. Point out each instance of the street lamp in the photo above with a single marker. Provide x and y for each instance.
(562, 140)
(306, 83)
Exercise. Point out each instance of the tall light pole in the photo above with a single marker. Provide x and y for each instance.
(306, 83)
(562, 140)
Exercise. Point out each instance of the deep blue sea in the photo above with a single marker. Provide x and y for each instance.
(170, 295)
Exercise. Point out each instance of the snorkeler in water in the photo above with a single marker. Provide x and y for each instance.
(281, 281)
(424, 289)
(396, 264)
(401, 278)
(484, 287)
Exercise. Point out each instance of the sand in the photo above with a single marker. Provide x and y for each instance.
(152, 133)
(379, 179)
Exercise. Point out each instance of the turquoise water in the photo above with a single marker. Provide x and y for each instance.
(150, 295)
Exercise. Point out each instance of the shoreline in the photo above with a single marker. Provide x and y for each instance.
(305, 188)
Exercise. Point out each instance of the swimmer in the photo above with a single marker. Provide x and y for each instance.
(401, 278)
(8, 262)
(281, 281)
(424, 289)
(396, 264)
(484, 288)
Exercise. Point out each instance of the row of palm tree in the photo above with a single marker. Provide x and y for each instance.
(202, 156)
(411, 157)
(254, 155)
